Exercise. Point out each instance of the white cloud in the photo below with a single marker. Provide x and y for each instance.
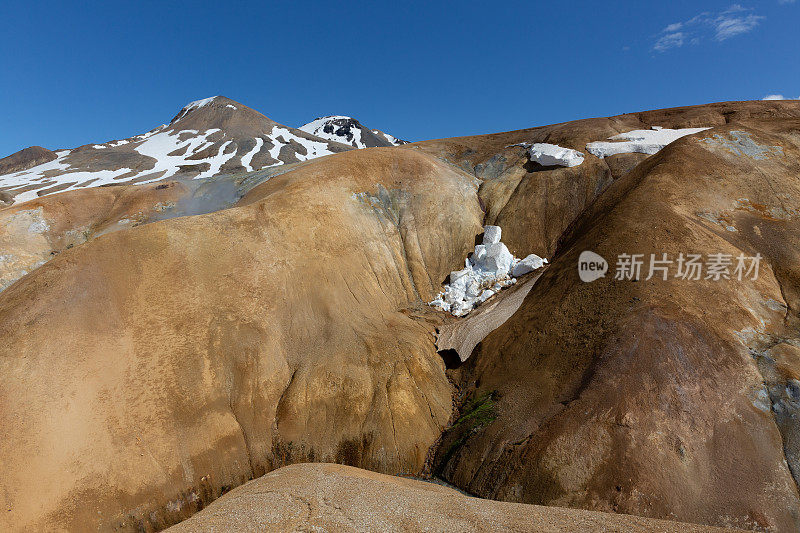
(778, 97)
(729, 25)
(786, 1)
(722, 26)
(735, 8)
(670, 40)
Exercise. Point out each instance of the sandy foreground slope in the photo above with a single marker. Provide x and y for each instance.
(332, 497)
(167, 342)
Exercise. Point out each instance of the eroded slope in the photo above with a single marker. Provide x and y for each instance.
(648, 397)
(151, 368)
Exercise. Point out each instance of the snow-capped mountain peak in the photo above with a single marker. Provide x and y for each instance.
(347, 130)
(206, 138)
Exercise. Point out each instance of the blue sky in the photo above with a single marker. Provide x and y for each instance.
(80, 72)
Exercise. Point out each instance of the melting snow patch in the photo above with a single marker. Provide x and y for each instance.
(282, 136)
(248, 157)
(549, 155)
(490, 269)
(640, 141)
(19, 180)
(160, 145)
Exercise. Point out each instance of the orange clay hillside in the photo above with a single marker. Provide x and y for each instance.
(165, 343)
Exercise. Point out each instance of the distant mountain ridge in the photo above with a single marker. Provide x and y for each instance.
(206, 138)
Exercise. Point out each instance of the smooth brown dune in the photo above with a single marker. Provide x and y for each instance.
(332, 497)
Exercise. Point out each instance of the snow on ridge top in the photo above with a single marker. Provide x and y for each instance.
(490, 269)
(200, 103)
(320, 122)
(333, 117)
(391, 138)
(339, 128)
(191, 106)
(640, 141)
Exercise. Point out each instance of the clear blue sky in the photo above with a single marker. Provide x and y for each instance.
(80, 72)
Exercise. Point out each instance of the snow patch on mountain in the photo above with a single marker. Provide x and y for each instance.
(391, 138)
(247, 158)
(160, 145)
(339, 128)
(549, 155)
(207, 137)
(490, 269)
(282, 137)
(639, 141)
(96, 178)
(349, 131)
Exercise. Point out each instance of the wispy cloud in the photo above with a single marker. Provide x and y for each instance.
(731, 22)
(786, 1)
(778, 97)
(734, 21)
(669, 40)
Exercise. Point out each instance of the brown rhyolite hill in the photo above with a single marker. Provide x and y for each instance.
(660, 398)
(25, 159)
(216, 347)
(151, 368)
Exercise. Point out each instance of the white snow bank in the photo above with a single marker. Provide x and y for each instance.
(486, 273)
(491, 234)
(551, 154)
(529, 264)
(639, 141)
(98, 177)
